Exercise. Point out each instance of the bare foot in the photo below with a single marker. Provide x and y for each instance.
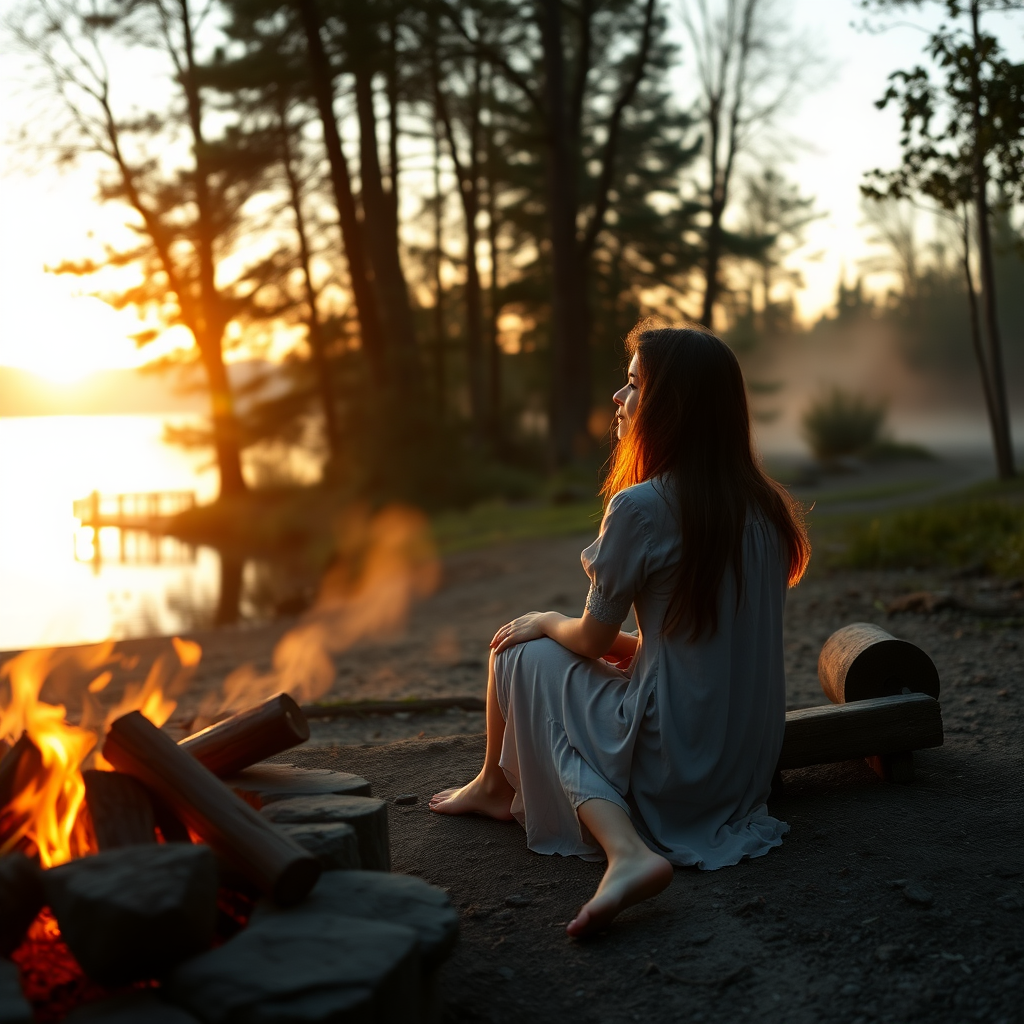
(627, 880)
(490, 797)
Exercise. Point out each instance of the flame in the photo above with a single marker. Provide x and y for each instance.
(384, 562)
(43, 812)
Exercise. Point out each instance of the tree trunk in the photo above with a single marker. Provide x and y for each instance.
(440, 339)
(1004, 443)
(211, 316)
(570, 355)
(976, 339)
(493, 305)
(382, 233)
(468, 176)
(315, 332)
(322, 81)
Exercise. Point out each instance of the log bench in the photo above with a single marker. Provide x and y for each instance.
(884, 695)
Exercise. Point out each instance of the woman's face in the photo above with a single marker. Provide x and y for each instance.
(626, 399)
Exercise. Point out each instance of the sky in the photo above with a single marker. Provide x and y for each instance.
(829, 138)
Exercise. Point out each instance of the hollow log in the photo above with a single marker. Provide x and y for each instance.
(879, 727)
(119, 808)
(248, 843)
(250, 736)
(862, 660)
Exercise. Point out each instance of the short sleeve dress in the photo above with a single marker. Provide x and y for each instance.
(687, 739)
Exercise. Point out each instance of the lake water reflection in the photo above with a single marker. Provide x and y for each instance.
(53, 587)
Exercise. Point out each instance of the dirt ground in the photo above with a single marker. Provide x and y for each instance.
(885, 903)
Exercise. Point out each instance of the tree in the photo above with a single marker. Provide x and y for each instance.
(957, 139)
(749, 65)
(187, 214)
(579, 82)
(776, 214)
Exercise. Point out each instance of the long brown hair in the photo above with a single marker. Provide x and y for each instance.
(692, 422)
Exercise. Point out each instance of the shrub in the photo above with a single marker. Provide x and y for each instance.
(840, 423)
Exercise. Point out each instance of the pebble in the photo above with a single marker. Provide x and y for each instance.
(507, 973)
(918, 895)
(405, 799)
(133, 913)
(517, 900)
(850, 989)
(1010, 901)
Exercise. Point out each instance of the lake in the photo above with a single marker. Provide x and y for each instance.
(53, 588)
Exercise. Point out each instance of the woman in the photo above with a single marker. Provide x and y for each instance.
(659, 748)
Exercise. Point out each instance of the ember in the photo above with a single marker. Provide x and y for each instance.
(50, 976)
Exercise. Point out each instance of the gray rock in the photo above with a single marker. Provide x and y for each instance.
(289, 968)
(375, 896)
(14, 1007)
(406, 799)
(21, 898)
(918, 895)
(369, 817)
(333, 843)
(265, 784)
(144, 1007)
(134, 913)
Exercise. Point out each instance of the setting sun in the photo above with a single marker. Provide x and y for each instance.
(63, 336)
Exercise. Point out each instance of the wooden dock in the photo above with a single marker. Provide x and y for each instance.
(146, 510)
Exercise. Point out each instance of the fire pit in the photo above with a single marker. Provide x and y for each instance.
(177, 882)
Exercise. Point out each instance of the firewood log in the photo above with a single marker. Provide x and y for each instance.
(252, 735)
(862, 660)
(119, 808)
(238, 834)
(19, 764)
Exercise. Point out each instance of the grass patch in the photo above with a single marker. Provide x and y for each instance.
(986, 534)
(500, 522)
(873, 493)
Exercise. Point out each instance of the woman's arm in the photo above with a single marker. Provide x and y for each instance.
(586, 636)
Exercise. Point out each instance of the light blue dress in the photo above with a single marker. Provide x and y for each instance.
(686, 740)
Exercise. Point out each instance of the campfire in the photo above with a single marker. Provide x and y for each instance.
(125, 789)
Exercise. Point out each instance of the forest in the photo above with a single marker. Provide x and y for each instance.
(438, 220)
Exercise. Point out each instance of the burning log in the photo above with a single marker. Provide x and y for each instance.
(250, 736)
(21, 898)
(120, 809)
(861, 661)
(247, 842)
(20, 763)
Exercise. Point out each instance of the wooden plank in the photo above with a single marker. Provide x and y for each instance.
(863, 728)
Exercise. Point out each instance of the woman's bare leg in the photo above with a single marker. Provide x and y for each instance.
(634, 872)
(489, 793)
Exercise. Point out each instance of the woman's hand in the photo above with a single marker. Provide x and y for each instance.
(531, 626)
